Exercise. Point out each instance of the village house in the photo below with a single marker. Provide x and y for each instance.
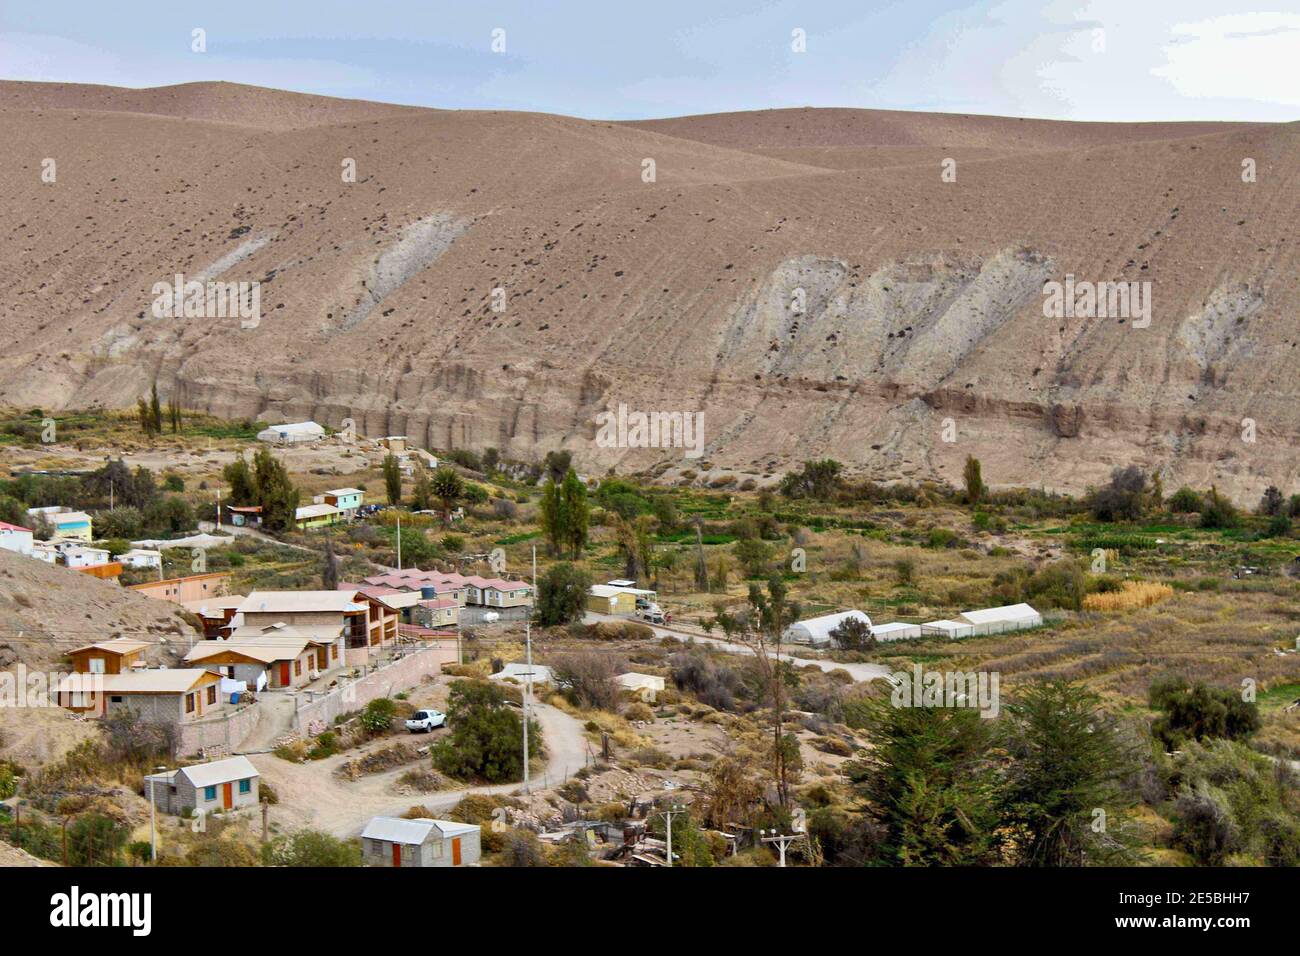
(117, 656)
(82, 556)
(141, 558)
(244, 516)
(346, 500)
(16, 538)
(316, 516)
(366, 623)
(43, 551)
(168, 696)
(219, 614)
(64, 522)
(275, 656)
(618, 597)
(194, 587)
(208, 787)
(395, 841)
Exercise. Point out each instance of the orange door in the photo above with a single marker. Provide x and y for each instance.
(284, 674)
(455, 851)
(397, 854)
(227, 800)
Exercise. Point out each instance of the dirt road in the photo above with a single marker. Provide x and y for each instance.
(859, 672)
(311, 795)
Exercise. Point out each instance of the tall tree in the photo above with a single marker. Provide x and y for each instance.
(448, 488)
(392, 479)
(549, 507)
(701, 566)
(243, 489)
(974, 480)
(931, 785)
(769, 615)
(276, 492)
(576, 513)
(1064, 798)
(155, 409)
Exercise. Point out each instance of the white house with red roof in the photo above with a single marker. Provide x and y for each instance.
(16, 538)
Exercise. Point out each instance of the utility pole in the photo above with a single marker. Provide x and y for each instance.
(399, 541)
(218, 508)
(153, 825)
(782, 841)
(668, 820)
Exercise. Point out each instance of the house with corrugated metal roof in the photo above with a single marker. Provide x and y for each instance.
(395, 841)
(218, 785)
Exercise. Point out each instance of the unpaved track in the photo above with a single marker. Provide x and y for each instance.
(311, 795)
(859, 672)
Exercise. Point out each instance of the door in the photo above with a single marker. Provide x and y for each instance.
(227, 800)
(455, 851)
(397, 854)
(284, 674)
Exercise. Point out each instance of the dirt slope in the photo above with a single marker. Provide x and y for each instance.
(923, 297)
(46, 611)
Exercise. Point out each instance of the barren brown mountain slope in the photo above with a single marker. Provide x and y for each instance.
(923, 298)
(39, 633)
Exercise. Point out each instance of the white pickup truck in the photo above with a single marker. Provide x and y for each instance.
(423, 721)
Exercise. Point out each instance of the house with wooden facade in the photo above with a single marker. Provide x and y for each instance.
(117, 656)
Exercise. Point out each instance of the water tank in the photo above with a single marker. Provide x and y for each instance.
(428, 594)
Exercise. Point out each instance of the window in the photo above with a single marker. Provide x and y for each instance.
(246, 786)
(209, 793)
(297, 667)
(189, 703)
(212, 693)
(96, 665)
(334, 651)
(116, 698)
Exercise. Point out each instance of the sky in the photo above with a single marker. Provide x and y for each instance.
(1119, 60)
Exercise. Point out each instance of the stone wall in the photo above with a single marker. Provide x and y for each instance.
(218, 733)
(320, 713)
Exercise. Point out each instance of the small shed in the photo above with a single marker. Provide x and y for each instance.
(218, 785)
(518, 671)
(394, 841)
(645, 686)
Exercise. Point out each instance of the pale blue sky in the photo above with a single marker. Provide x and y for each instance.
(618, 59)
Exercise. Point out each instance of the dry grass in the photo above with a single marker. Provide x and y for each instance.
(1132, 595)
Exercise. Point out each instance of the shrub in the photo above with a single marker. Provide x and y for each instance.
(587, 679)
(311, 848)
(377, 718)
(1197, 711)
(486, 739)
(562, 594)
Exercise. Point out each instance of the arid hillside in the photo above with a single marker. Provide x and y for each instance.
(39, 632)
(921, 312)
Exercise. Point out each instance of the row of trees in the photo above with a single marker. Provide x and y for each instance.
(565, 514)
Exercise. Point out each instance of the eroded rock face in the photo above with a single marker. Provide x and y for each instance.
(1066, 421)
(802, 279)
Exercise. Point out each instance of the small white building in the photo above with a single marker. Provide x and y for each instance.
(518, 671)
(79, 556)
(43, 551)
(16, 538)
(895, 631)
(645, 686)
(817, 630)
(292, 433)
(395, 841)
(998, 620)
(141, 558)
